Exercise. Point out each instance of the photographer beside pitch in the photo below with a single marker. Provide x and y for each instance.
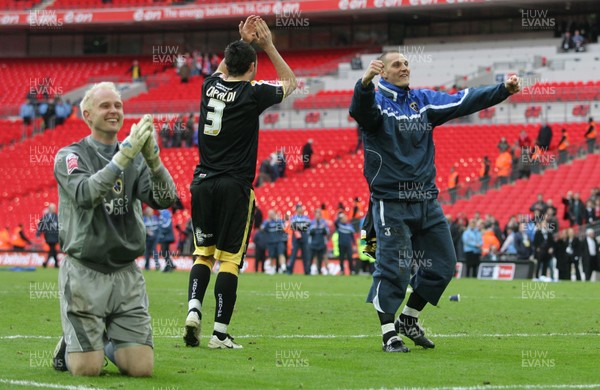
(101, 187)
(398, 128)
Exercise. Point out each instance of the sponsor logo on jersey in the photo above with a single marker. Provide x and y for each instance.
(72, 162)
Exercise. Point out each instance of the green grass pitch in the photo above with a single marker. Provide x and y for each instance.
(317, 333)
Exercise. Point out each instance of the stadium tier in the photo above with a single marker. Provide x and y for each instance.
(580, 176)
(336, 174)
(57, 76)
(19, 5)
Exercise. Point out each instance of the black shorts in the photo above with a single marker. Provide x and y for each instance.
(222, 216)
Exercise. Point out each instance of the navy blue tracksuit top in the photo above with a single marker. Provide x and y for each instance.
(399, 164)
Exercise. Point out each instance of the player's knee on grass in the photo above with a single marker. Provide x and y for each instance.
(228, 266)
(208, 261)
(85, 363)
(135, 360)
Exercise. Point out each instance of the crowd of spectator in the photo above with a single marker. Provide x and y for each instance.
(53, 111)
(535, 235)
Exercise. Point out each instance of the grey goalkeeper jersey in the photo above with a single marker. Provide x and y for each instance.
(100, 208)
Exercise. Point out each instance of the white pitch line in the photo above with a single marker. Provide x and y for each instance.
(507, 387)
(45, 385)
(355, 336)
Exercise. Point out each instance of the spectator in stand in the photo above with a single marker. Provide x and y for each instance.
(597, 209)
(550, 205)
(472, 241)
(318, 232)
(512, 224)
(544, 138)
(178, 131)
(260, 249)
(27, 112)
(563, 145)
(300, 223)
(539, 204)
(590, 135)
(206, 67)
(522, 243)
(543, 243)
(188, 136)
(524, 140)
(590, 212)
(19, 239)
(594, 194)
(48, 225)
(47, 111)
(346, 242)
(165, 134)
(358, 209)
(307, 152)
(152, 225)
(579, 42)
(567, 42)
(560, 254)
(325, 212)
(453, 185)
(356, 62)
(135, 71)
(508, 246)
(503, 168)
(185, 72)
(215, 60)
(567, 201)
(573, 253)
(489, 240)
(577, 211)
(590, 255)
(274, 161)
(484, 174)
(274, 231)
(552, 220)
(63, 110)
(281, 163)
(503, 145)
(258, 218)
(265, 173)
(5, 239)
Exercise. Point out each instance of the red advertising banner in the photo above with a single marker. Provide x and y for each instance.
(56, 18)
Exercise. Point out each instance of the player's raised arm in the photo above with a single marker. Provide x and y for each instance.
(247, 30)
(444, 107)
(284, 72)
(364, 107)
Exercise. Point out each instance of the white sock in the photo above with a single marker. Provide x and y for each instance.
(387, 328)
(407, 311)
(221, 328)
(194, 304)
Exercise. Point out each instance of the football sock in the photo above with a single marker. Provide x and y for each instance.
(415, 302)
(220, 330)
(387, 326)
(199, 278)
(225, 295)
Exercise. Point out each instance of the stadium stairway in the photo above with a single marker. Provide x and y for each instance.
(578, 176)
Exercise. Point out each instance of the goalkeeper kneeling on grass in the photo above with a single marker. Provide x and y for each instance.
(410, 226)
(101, 187)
